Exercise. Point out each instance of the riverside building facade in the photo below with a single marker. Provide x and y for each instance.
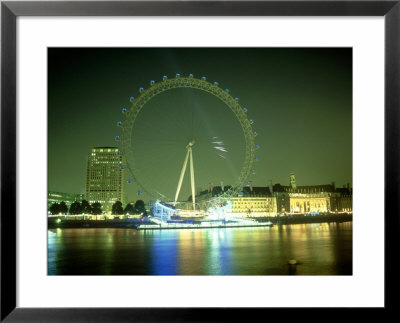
(294, 199)
(254, 202)
(105, 177)
(254, 206)
(275, 200)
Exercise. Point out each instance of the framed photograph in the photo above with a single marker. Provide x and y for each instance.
(197, 161)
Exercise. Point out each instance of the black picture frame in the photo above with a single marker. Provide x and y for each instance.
(10, 10)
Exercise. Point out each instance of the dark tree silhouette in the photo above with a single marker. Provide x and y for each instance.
(54, 208)
(75, 208)
(96, 208)
(129, 209)
(140, 208)
(63, 208)
(117, 208)
(86, 208)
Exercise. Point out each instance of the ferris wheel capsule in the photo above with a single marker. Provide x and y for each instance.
(249, 183)
(257, 146)
(253, 171)
(177, 75)
(119, 123)
(165, 77)
(244, 109)
(190, 75)
(118, 152)
(236, 99)
(117, 138)
(251, 121)
(141, 89)
(124, 110)
(255, 133)
(152, 82)
(130, 180)
(227, 90)
(256, 158)
(122, 166)
(203, 78)
(215, 83)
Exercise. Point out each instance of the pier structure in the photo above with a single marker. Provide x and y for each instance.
(163, 211)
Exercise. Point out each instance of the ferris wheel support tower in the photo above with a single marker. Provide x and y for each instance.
(189, 154)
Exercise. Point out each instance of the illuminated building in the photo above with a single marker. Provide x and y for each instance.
(254, 202)
(254, 206)
(312, 199)
(343, 201)
(305, 203)
(58, 197)
(278, 199)
(346, 204)
(105, 177)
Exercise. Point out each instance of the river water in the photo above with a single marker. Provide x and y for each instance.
(319, 249)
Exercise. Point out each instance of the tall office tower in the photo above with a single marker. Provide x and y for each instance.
(105, 177)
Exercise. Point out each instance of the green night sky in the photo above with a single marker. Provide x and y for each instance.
(299, 98)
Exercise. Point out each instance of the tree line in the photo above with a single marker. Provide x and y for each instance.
(95, 208)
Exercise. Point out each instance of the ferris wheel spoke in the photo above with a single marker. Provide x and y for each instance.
(153, 165)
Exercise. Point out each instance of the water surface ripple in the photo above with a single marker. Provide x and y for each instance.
(319, 249)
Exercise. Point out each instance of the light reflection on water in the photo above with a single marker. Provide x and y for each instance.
(320, 249)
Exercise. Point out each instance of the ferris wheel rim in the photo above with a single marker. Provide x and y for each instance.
(156, 88)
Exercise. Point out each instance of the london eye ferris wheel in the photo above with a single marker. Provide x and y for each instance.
(187, 124)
